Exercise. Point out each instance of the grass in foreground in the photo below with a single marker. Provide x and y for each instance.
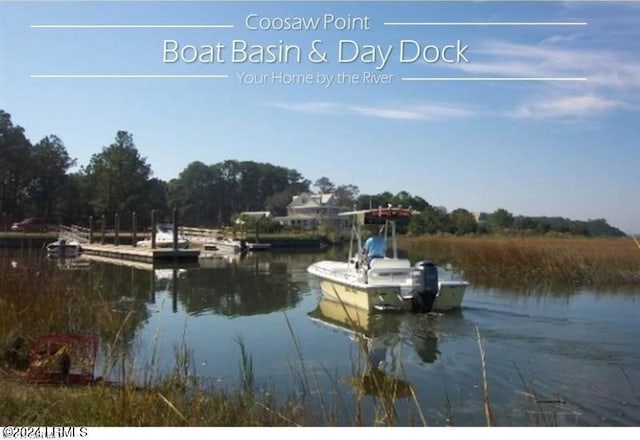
(36, 300)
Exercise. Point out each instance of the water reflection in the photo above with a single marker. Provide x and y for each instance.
(382, 338)
(571, 342)
(229, 285)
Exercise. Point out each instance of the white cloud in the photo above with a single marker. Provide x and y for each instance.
(397, 112)
(613, 77)
(420, 112)
(309, 107)
(602, 68)
(566, 107)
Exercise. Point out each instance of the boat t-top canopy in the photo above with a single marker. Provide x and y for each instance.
(378, 215)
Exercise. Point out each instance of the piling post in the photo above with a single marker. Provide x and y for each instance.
(103, 225)
(174, 290)
(153, 229)
(116, 227)
(174, 219)
(90, 229)
(134, 228)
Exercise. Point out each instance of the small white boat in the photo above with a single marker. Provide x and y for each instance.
(223, 244)
(389, 283)
(164, 238)
(258, 246)
(62, 248)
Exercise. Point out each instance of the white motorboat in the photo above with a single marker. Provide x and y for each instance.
(389, 283)
(62, 248)
(224, 244)
(164, 238)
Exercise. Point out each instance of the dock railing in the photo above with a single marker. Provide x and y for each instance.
(199, 235)
(74, 232)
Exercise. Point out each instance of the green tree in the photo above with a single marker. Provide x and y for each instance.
(463, 221)
(195, 194)
(15, 162)
(324, 185)
(158, 195)
(50, 163)
(277, 203)
(366, 201)
(119, 179)
(431, 220)
(500, 219)
(347, 195)
(73, 203)
(216, 194)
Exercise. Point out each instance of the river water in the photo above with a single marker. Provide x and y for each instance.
(567, 357)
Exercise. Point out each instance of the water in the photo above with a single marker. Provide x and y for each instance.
(568, 357)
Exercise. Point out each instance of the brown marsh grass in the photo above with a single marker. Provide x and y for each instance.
(36, 299)
(577, 261)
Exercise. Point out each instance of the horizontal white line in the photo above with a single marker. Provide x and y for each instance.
(132, 26)
(485, 23)
(122, 76)
(498, 78)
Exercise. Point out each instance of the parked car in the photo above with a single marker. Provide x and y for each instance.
(33, 225)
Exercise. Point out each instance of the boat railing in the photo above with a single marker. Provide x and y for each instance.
(331, 273)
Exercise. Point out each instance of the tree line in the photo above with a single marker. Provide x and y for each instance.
(36, 181)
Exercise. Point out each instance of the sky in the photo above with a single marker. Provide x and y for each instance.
(532, 107)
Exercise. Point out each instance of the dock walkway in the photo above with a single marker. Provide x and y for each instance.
(147, 255)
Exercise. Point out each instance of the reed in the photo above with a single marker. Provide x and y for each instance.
(526, 260)
(488, 413)
(36, 300)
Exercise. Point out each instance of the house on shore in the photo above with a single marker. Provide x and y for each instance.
(256, 215)
(308, 211)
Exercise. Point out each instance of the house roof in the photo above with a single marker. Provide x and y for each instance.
(256, 213)
(307, 200)
(297, 217)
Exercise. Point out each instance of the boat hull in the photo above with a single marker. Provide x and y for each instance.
(69, 252)
(340, 284)
(229, 247)
(384, 297)
(62, 249)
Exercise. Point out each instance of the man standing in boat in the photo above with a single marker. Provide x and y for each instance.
(375, 246)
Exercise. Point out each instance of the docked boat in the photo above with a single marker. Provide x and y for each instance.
(389, 283)
(224, 244)
(164, 238)
(62, 248)
(253, 246)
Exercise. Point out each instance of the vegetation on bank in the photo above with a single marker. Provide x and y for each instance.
(169, 403)
(38, 300)
(533, 260)
(37, 182)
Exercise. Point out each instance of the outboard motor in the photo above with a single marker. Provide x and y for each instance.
(424, 277)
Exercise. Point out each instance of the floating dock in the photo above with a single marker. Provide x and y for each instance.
(145, 255)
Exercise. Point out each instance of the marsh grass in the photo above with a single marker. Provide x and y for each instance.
(36, 300)
(526, 260)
